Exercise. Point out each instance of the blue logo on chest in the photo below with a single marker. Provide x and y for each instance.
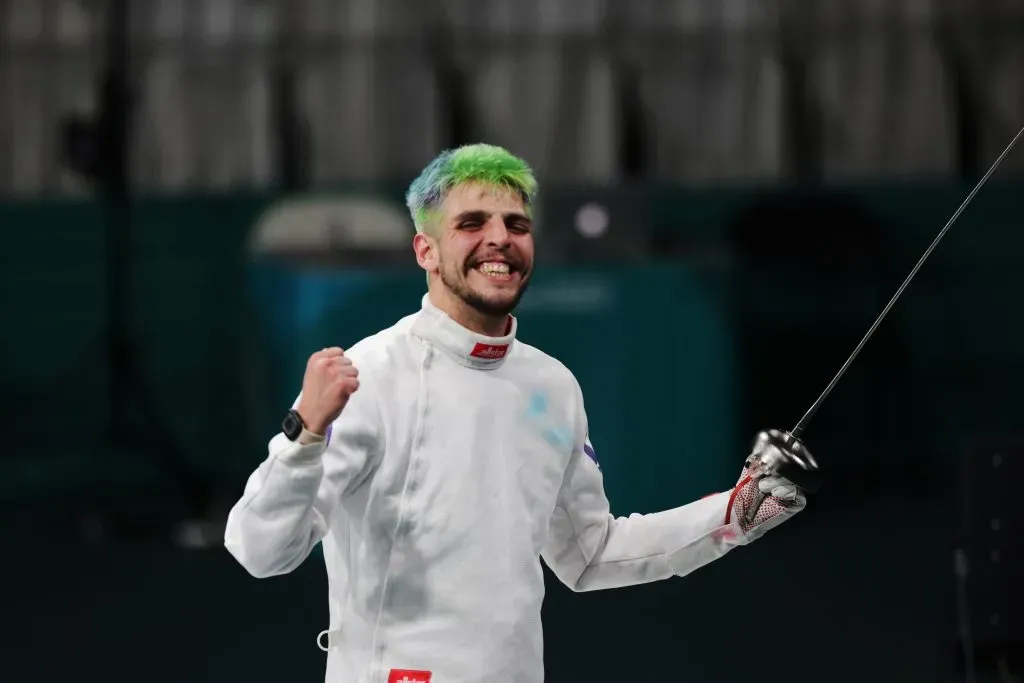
(538, 407)
(538, 413)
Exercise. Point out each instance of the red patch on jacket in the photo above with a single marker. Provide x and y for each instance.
(408, 676)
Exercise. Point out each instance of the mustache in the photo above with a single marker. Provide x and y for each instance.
(512, 261)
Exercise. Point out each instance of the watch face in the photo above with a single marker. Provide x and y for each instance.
(291, 426)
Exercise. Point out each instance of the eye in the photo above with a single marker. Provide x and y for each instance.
(518, 227)
(470, 224)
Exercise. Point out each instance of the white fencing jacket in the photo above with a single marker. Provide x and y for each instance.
(459, 463)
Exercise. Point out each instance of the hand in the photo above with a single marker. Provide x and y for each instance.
(330, 380)
(766, 494)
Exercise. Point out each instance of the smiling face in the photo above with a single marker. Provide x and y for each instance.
(479, 254)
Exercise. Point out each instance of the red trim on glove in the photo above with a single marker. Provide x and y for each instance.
(732, 497)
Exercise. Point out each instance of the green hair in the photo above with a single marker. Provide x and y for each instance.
(481, 163)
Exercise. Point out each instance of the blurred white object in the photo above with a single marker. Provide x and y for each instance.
(324, 224)
(592, 220)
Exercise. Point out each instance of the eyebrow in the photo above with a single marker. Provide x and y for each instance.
(484, 215)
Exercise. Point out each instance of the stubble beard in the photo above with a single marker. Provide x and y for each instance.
(461, 289)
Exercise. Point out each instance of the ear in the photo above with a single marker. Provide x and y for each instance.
(426, 252)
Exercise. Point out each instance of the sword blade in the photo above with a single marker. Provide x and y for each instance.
(806, 419)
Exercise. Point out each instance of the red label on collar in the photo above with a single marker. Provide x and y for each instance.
(489, 351)
(408, 676)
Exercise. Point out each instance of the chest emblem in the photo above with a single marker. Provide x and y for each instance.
(538, 415)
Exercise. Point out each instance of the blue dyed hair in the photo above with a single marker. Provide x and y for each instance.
(481, 163)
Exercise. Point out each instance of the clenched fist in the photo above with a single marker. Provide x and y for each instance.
(330, 380)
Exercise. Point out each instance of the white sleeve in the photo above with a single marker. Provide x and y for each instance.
(288, 501)
(590, 549)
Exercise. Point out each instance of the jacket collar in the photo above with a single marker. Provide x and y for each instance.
(465, 346)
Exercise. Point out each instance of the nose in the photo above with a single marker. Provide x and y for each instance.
(497, 234)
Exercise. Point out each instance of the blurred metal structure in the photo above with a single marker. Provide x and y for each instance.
(263, 93)
(987, 561)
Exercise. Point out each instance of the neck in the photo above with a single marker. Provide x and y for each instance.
(468, 317)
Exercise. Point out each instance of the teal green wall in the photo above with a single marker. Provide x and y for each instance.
(222, 336)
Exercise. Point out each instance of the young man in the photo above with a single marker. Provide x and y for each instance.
(439, 460)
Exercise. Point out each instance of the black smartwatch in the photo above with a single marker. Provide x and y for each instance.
(292, 425)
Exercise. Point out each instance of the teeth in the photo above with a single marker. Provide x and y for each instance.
(493, 267)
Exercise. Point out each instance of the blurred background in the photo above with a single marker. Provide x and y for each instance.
(196, 194)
